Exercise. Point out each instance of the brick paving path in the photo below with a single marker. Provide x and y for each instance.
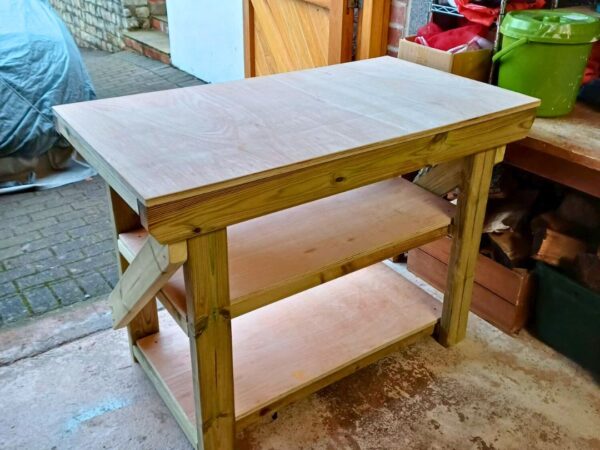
(56, 246)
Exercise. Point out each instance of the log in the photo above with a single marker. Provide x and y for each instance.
(511, 249)
(504, 215)
(555, 248)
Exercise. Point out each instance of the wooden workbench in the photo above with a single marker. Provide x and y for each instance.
(564, 149)
(257, 212)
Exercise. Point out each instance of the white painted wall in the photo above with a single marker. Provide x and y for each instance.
(207, 38)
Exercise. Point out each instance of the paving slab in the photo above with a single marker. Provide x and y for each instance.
(491, 391)
(56, 246)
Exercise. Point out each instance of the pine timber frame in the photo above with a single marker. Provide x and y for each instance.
(196, 366)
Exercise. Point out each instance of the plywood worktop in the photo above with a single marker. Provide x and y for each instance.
(183, 142)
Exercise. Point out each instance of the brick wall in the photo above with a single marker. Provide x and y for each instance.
(138, 13)
(398, 16)
(93, 23)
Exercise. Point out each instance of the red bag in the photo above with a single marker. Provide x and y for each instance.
(592, 71)
(434, 36)
(487, 16)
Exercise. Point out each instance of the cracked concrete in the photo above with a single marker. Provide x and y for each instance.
(491, 391)
(38, 335)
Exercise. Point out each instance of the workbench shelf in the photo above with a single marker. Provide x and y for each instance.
(304, 303)
(281, 254)
(294, 347)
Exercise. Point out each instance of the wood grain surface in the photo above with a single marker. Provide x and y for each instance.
(575, 137)
(466, 232)
(159, 147)
(125, 220)
(209, 325)
(296, 346)
(285, 35)
(147, 273)
(278, 255)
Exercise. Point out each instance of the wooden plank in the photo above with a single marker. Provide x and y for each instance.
(341, 25)
(573, 174)
(509, 316)
(172, 294)
(373, 22)
(125, 220)
(442, 178)
(286, 35)
(145, 276)
(162, 383)
(249, 39)
(242, 138)
(555, 248)
(191, 217)
(275, 256)
(445, 177)
(574, 138)
(501, 280)
(306, 341)
(209, 329)
(467, 227)
(321, 3)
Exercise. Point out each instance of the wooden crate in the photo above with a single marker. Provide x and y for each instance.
(500, 295)
(475, 65)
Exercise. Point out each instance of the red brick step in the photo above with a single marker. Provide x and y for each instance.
(151, 43)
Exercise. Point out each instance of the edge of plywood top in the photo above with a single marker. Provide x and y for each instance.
(124, 189)
(135, 199)
(273, 173)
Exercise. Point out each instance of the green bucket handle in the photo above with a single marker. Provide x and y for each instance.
(509, 48)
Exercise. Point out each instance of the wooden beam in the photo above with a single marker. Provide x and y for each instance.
(249, 40)
(189, 217)
(445, 177)
(442, 178)
(373, 26)
(147, 273)
(572, 174)
(209, 329)
(126, 219)
(341, 24)
(467, 229)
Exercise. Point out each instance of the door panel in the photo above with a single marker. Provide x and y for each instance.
(286, 35)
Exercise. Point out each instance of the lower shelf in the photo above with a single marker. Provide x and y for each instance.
(295, 347)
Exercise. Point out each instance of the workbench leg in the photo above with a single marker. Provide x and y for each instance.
(125, 219)
(209, 329)
(466, 236)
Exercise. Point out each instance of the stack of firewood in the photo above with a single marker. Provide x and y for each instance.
(532, 220)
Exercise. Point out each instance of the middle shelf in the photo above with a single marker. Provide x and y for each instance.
(275, 256)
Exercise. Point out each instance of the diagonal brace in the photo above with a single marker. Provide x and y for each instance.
(146, 275)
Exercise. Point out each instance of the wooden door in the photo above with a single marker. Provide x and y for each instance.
(286, 35)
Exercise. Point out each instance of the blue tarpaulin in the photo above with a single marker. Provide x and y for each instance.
(40, 66)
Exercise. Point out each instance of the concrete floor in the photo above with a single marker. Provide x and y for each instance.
(58, 391)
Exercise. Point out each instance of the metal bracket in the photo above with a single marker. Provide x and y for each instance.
(354, 4)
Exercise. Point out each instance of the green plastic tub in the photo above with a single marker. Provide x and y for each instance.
(544, 54)
(567, 317)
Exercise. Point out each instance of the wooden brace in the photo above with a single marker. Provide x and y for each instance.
(145, 276)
